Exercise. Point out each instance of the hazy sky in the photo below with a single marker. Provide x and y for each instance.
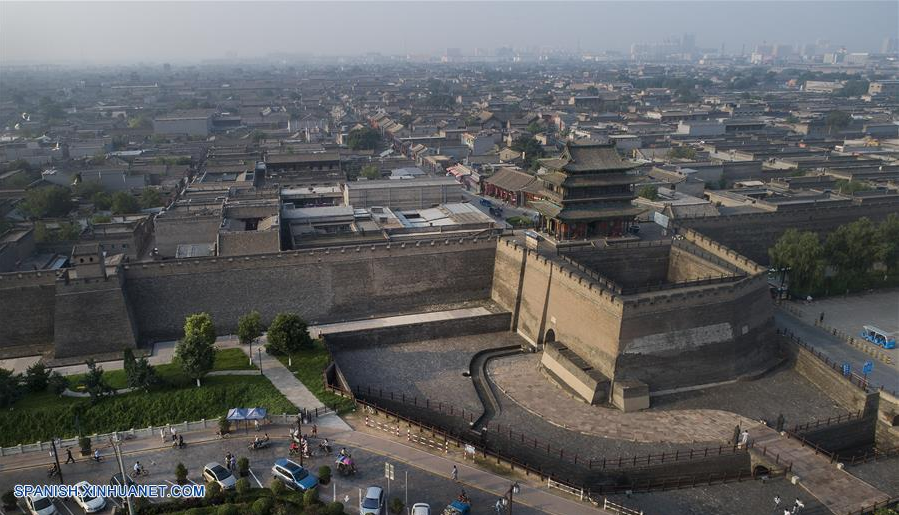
(36, 31)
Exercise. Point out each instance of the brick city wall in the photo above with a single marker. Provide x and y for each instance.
(753, 234)
(27, 302)
(625, 266)
(544, 296)
(321, 285)
(91, 317)
(480, 324)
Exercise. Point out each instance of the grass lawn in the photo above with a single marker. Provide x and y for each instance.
(232, 359)
(225, 359)
(308, 366)
(42, 416)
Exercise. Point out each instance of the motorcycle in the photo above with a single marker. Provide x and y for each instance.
(345, 465)
(261, 444)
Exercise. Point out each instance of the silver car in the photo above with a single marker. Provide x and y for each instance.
(215, 473)
(373, 503)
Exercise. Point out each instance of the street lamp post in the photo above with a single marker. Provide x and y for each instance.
(116, 442)
(514, 489)
(56, 459)
(259, 352)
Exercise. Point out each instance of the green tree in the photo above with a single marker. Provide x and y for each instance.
(124, 203)
(141, 122)
(57, 383)
(10, 387)
(139, 372)
(682, 153)
(853, 88)
(370, 172)
(836, 121)
(396, 506)
(68, 231)
(52, 202)
(592, 91)
(150, 197)
(102, 200)
(287, 334)
(94, 382)
(180, 473)
(195, 352)
(36, 377)
(792, 119)
(802, 253)
(249, 327)
(257, 136)
(851, 249)
(534, 128)
(850, 187)
(888, 235)
(363, 138)
(532, 149)
(649, 192)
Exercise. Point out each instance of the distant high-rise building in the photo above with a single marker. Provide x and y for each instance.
(688, 42)
(890, 45)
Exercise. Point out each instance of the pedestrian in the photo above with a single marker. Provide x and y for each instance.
(256, 424)
(71, 459)
(180, 441)
(776, 501)
(736, 438)
(455, 473)
(314, 431)
(162, 434)
(798, 506)
(174, 433)
(744, 438)
(821, 318)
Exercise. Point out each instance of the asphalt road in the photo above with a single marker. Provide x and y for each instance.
(838, 350)
(425, 487)
(508, 209)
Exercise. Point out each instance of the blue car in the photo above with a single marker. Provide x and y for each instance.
(293, 475)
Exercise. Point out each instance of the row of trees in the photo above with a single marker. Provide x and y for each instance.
(36, 379)
(195, 352)
(855, 256)
(56, 201)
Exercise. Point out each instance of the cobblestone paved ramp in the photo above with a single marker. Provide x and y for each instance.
(840, 491)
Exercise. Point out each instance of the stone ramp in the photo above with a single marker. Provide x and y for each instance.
(837, 489)
(372, 323)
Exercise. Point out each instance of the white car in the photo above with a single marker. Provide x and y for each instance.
(40, 505)
(421, 508)
(215, 473)
(87, 503)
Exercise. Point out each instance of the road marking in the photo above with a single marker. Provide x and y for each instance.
(256, 478)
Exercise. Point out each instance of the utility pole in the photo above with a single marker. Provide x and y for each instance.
(56, 459)
(116, 443)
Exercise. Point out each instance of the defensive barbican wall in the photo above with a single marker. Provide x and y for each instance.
(27, 302)
(753, 234)
(717, 331)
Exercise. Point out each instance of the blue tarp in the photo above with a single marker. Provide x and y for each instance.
(247, 413)
(237, 414)
(256, 413)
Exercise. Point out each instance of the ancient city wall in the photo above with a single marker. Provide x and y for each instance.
(625, 266)
(717, 333)
(91, 317)
(321, 285)
(753, 234)
(548, 299)
(27, 301)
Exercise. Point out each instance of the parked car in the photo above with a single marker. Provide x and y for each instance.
(486, 203)
(215, 473)
(421, 508)
(293, 475)
(117, 480)
(40, 505)
(373, 503)
(86, 502)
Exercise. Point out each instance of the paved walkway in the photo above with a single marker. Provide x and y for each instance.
(840, 491)
(284, 380)
(519, 379)
(468, 475)
(357, 325)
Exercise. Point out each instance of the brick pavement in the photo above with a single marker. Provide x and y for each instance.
(518, 378)
(840, 491)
